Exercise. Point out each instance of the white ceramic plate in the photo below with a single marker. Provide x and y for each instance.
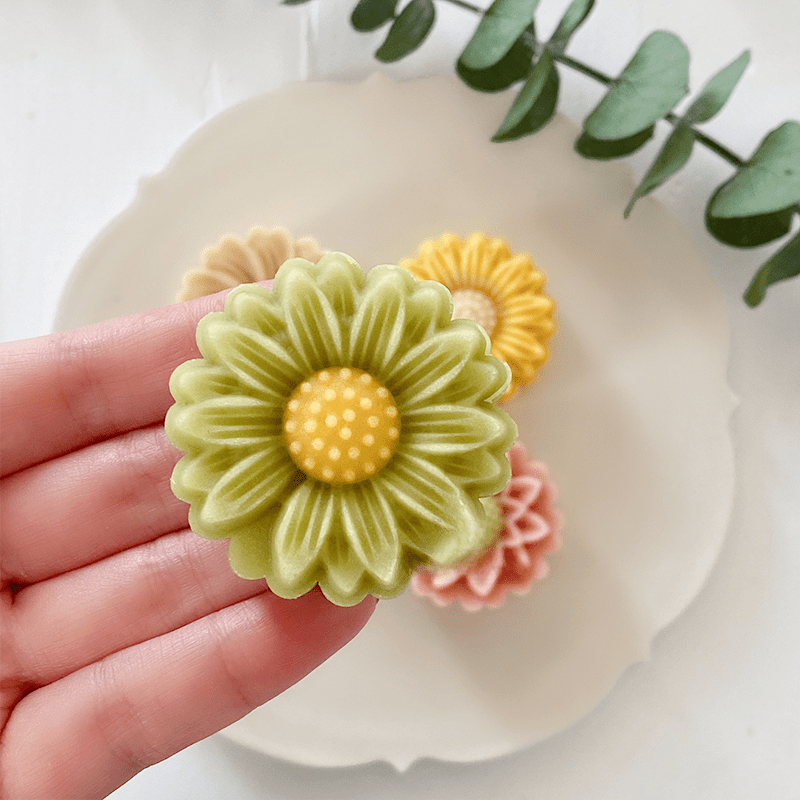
(631, 414)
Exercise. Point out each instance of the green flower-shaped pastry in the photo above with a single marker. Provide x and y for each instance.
(340, 429)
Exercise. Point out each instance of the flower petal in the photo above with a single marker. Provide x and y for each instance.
(340, 279)
(524, 489)
(233, 421)
(479, 472)
(483, 574)
(448, 429)
(419, 491)
(250, 551)
(433, 364)
(371, 530)
(301, 530)
(196, 380)
(311, 322)
(345, 581)
(233, 258)
(259, 362)
(377, 328)
(255, 307)
(442, 578)
(247, 488)
(429, 308)
(531, 309)
(268, 249)
(438, 261)
(481, 379)
(514, 276)
(530, 528)
(479, 259)
(195, 475)
(419, 487)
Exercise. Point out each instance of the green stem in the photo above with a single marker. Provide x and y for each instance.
(710, 143)
(468, 6)
(607, 80)
(721, 151)
(583, 68)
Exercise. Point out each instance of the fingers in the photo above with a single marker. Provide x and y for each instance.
(68, 390)
(74, 510)
(60, 625)
(145, 703)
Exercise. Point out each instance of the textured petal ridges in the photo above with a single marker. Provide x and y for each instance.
(277, 412)
(513, 284)
(529, 528)
(233, 261)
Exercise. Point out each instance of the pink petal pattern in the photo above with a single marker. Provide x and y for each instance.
(531, 528)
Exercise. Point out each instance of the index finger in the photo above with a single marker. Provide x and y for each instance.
(65, 391)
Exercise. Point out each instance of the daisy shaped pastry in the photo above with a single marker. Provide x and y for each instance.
(500, 291)
(340, 429)
(529, 527)
(232, 261)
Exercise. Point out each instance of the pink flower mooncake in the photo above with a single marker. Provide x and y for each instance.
(529, 529)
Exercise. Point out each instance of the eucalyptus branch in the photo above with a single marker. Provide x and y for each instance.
(758, 205)
(711, 144)
(607, 80)
(584, 69)
(674, 119)
(467, 6)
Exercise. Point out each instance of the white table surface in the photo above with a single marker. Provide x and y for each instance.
(95, 94)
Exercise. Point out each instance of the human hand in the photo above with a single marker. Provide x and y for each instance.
(125, 637)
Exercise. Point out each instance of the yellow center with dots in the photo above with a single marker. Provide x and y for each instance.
(341, 425)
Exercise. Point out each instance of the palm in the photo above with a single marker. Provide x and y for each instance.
(124, 637)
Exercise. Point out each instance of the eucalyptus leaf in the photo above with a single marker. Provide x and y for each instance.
(785, 263)
(756, 206)
(528, 95)
(650, 86)
(770, 180)
(408, 31)
(294, 2)
(501, 25)
(717, 91)
(606, 149)
(540, 112)
(747, 231)
(369, 15)
(512, 67)
(573, 17)
(673, 155)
